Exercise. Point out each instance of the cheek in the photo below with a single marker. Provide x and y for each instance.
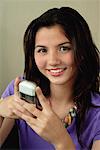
(69, 59)
(40, 62)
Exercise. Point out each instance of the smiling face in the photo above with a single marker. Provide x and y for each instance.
(54, 55)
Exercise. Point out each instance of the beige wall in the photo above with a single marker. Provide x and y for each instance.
(14, 18)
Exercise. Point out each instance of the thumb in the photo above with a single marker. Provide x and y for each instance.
(41, 97)
(16, 83)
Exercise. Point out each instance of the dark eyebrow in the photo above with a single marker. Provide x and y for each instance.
(64, 43)
(40, 46)
(58, 45)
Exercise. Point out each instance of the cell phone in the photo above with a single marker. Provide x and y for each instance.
(27, 92)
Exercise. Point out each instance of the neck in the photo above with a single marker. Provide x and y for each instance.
(61, 99)
(61, 94)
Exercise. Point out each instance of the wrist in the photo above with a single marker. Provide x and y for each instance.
(65, 143)
(60, 146)
(63, 146)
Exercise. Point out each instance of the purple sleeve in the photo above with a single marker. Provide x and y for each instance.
(9, 90)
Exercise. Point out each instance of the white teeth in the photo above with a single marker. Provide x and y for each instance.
(56, 71)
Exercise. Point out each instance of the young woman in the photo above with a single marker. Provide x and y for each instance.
(61, 57)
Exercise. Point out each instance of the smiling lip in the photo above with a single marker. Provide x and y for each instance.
(56, 71)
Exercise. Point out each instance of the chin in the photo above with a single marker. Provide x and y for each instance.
(63, 81)
(58, 82)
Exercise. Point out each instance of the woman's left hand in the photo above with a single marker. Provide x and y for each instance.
(46, 123)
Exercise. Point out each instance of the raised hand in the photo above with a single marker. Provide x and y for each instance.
(45, 123)
(11, 103)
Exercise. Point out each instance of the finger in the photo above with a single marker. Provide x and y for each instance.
(41, 97)
(14, 116)
(18, 105)
(29, 119)
(18, 100)
(32, 109)
(16, 89)
(17, 113)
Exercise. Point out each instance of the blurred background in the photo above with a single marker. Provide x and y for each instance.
(15, 15)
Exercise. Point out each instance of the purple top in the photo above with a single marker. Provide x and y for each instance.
(91, 131)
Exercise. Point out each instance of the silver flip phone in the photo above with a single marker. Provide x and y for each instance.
(27, 92)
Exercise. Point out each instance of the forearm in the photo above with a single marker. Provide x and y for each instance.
(5, 129)
(6, 125)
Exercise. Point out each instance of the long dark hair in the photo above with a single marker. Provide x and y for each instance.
(85, 54)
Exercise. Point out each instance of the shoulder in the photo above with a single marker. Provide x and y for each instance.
(95, 99)
(93, 114)
(91, 125)
(95, 108)
(10, 88)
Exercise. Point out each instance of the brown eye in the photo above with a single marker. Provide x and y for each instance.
(42, 50)
(65, 48)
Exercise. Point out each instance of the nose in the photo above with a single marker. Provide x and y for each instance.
(54, 58)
